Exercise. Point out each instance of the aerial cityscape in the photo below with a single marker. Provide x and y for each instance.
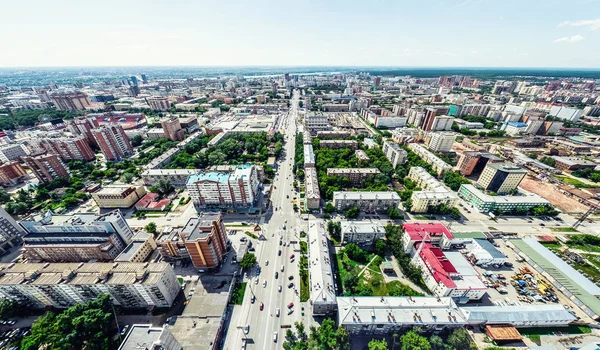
(312, 175)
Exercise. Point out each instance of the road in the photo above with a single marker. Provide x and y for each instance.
(263, 324)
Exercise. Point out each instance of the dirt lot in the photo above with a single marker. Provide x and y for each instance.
(552, 194)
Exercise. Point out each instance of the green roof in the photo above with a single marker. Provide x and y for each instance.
(468, 234)
(588, 299)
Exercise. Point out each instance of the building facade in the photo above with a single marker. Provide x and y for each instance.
(75, 148)
(501, 177)
(441, 141)
(394, 153)
(118, 196)
(70, 101)
(13, 152)
(369, 202)
(158, 103)
(361, 232)
(311, 184)
(486, 203)
(47, 168)
(355, 175)
(172, 129)
(113, 142)
(11, 174)
(205, 240)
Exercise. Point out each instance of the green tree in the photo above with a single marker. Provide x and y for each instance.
(460, 339)
(548, 161)
(4, 196)
(248, 261)
(7, 308)
(352, 213)
(136, 140)
(412, 341)
(151, 227)
(380, 247)
(127, 178)
(375, 344)
(393, 212)
(437, 343)
(163, 187)
(329, 208)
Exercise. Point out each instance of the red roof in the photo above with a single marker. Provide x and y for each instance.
(149, 197)
(418, 230)
(159, 205)
(438, 265)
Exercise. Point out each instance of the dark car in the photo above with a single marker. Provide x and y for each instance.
(262, 306)
(291, 285)
(276, 275)
(291, 278)
(279, 252)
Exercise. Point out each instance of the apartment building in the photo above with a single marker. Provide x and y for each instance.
(438, 165)
(189, 124)
(441, 123)
(311, 184)
(433, 193)
(11, 174)
(333, 134)
(309, 156)
(141, 247)
(113, 142)
(361, 232)
(394, 153)
(173, 130)
(441, 141)
(10, 232)
(361, 156)
(151, 338)
(370, 202)
(473, 162)
(428, 120)
(13, 152)
(62, 285)
(47, 168)
(501, 177)
(314, 122)
(356, 175)
(205, 240)
(485, 203)
(236, 190)
(75, 148)
(320, 268)
(177, 177)
(83, 126)
(70, 100)
(118, 196)
(573, 163)
(570, 114)
(337, 144)
(77, 238)
(470, 109)
(159, 103)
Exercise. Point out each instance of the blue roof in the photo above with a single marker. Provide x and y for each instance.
(212, 176)
(489, 247)
(517, 124)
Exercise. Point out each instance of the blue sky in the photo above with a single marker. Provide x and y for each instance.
(464, 33)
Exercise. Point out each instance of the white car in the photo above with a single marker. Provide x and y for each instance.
(256, 281)
(280, 288)
(277, 312)
(264, 283)
(275, 337)
(266, 262)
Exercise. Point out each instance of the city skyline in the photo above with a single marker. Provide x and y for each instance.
(468, 33)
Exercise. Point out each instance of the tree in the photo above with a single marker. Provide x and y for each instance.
(393, 212)
(548, 161)
(163, 187)
(380, 247)
(375, 344)
(412, 341)
(352, 213)
(127, 178)
(329, 208)
(7, 308)
(151, 227)
(356, 253)
(4, 196)
(248, 261)
(437, 343)
(136, 140)
(16, 208)
(460, 339)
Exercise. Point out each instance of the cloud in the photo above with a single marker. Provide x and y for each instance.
(591, 24)
(569, 39)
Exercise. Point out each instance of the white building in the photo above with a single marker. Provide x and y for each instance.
(390, 121)
(361, 232)
(321, 277)
(309, 156)
(484, 253)
(311, 184)
(394, 153)
(441, 123)
(314, 122)
(441, 141)
(148, 337)
(369, 202)
(438, 165)
(571, 114)
(10, 153)
(433, 193)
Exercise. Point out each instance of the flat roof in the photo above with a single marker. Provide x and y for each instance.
(362, 226)
(368, 195)
(193, 229)
(141, 336)
(520, 313)
(418, 230)
(489, 247)
(532, 199)
(321, 278)
(468, 234)
(507, 168)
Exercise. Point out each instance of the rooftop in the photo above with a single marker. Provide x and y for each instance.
(507, 168)
(141, 336)
(365, 195)
(311, 183)
(321, 274)
(418, 230)
(530, 199)
(199, 227)
(362, 226)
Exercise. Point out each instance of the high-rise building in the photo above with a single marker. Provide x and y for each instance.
(441, 141)
(70, 101)
(501, 177)
(10, 232)
(75, 148)
(134, 80)
(394, 153)
(113, 142)
(217, 190)
(206, 240)
(159, 103)
(12, 152)
(429, 117)
(47, 167)
(83, 126)
(172, 129)
(11, 174)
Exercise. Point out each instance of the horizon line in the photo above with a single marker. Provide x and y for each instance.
(305, 66)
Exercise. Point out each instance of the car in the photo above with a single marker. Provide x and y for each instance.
(288, 196)
(264, 283)
(542, 224)
(290, 305)
(277, 312)
(291, 285)
(292, 256)
(266, 262)
(280, 242)
(124, 330)
(256, 281)
(258, 271)
(290, 311)
(279, 253)
(262, 306)
(280, 288)
(281, 268)
(253, 299)
(291, 278)
(275, 337)
(247, 329)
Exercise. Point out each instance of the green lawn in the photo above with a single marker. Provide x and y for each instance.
(563, 229)
(574, 182)
(585, 248)
(180, 280)
(250, 234)
(237, 295)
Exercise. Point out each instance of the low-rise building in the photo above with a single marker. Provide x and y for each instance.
(361, 156)
(486, 203)
(309, 156)
(573, 163)
(11, 174)
(438, 165)
(311, 184)
(333, 134)
(118, 196)
(394, 153)
(356, 175)
(482, 252)
(361, 232)
(152, 202)
(425, 232)
(314, 122)
(148, 337)
(366, 201)
(321, 276)
(140, 248)
(10, 232)
(336, 144)
(433, 193)
(177, 177)
(62, 285)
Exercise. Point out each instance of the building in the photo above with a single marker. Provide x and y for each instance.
(565, 113)
(427, 121)
(394, 153)
(70, 101)
(311, 184)
(113, 142)
(47, 168)
(79, 238)
(573, 163)
(10, 232)
(148, 337)
(155, 134)
(486, 203)
(309, 156)
(141, 247)
(83, 126)
(320, 267)
(514, 128)
(355, 175)
(333, 134)
(433, 193)
(189, 124)
(369, 202)
(501, 177)
(216, 190)
(151, 202)
(361, 156)
(483, 253)
(172, 129)
(438, 165)
(441, 123)
(13, 152)
(158, 103)
(470, 109)
(314, 122)
(435, 233)
(205, 240)
(177, 177)
(11, 174)
(448, 274)
(75, 148)
(361, 232)
(390, 121)
(118, 196)
(337, 144)
(473, 162)
(62, 285)
(441, 141)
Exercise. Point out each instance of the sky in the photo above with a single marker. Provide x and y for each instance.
(397, 33)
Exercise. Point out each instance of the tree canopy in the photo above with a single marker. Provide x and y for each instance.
(324, 337)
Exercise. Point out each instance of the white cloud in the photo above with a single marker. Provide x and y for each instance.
(591, 24)
(569, 39)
